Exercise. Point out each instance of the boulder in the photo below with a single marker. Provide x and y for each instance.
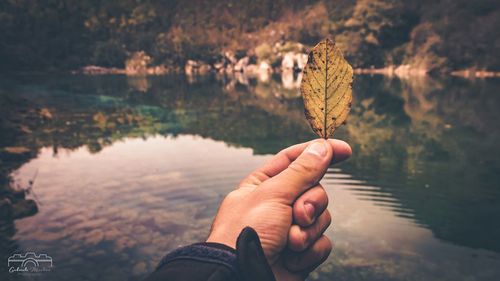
(252, 70)
(230, 57)
(190, 67)
(204, 69)
(5, 209)
(193, 67)
(264, 67)
(287, 79)
(219, 65)
(137, 64)
(301, 60)
(24, 208)
(241, 64)
(288, 61)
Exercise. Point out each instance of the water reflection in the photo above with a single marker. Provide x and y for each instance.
(378, 239)
(129, 204)
(132, 167)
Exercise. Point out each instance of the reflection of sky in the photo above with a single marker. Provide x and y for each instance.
(128, 204)
(118, 211)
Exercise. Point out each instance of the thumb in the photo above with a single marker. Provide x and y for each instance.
(303, 173)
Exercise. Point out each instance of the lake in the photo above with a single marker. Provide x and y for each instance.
(125, 169)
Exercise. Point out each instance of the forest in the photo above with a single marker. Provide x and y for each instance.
(61, 35)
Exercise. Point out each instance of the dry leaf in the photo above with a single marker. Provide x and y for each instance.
(326, 88)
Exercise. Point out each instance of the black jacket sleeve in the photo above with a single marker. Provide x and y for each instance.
(216, 262)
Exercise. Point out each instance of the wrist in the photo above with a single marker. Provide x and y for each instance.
(222, 238)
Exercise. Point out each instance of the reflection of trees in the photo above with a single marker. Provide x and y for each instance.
(102, 110)
(441, 163)
(426, 143)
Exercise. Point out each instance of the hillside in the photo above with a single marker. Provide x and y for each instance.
(438, 35)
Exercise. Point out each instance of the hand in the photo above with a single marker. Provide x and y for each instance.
(285, 204)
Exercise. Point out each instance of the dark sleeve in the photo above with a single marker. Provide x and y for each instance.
(216, 262)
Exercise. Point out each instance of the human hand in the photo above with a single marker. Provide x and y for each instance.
(285, 204)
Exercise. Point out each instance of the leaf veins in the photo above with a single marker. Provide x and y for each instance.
(326, 88)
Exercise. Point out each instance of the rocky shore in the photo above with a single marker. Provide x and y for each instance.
(261, 61)
(14, 204)
(285, 58)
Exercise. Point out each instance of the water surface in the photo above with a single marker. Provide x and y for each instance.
(128, 169)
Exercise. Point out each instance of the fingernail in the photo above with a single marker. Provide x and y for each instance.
(309, 209)
(317, 148)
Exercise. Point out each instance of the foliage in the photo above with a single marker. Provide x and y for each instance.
(264, 52)
(67, 34)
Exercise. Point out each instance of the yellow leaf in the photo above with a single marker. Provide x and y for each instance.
(326, 88)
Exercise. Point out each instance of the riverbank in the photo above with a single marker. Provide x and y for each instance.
(264, 60)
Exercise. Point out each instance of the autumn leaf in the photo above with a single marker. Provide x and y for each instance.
(326, 88)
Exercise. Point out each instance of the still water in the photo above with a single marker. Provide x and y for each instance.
(127, 169)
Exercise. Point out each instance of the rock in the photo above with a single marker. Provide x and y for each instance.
(228, 69)
(160, 70)
(16, 194)
(288, 61)
(230, 57)
(406, 71)
(298, 81)
(45, 113)
(5, 209)
(301, 60)
(190, 67)
(241, 78)
(204, 69)
(252, 70)
(241, 64)
(137, 64)
(98, 70)
(264, 67)
(24, 208)
(219, 65)
(287, 79)
(193, 67)
(264, 71)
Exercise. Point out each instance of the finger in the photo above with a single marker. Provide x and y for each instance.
(300, 238)
(282, 160)
(311, 258)
(301, 174)
(310, 205)
(341, 151)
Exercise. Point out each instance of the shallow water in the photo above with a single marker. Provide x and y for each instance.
(127, 169)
